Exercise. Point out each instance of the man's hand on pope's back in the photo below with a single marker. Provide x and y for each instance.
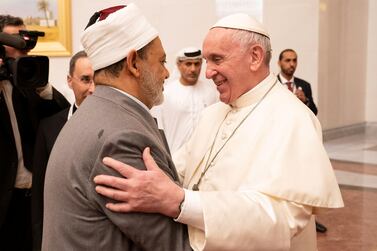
(149, 191)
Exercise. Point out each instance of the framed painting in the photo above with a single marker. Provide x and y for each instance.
(53, 17)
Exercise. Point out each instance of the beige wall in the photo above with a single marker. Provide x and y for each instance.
(336, 54)
(294, 24)
(371, 90)
(180, 24)
(342, 62)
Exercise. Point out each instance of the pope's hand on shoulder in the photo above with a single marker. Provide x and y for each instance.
(149, 191)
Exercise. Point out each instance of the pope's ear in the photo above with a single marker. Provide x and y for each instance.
(132, 63)
(257, 57)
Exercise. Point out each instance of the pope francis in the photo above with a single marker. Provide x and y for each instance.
(254, 172)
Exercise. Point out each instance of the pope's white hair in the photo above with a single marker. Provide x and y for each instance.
(248, 38)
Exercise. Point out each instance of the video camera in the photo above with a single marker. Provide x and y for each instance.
(24, 71)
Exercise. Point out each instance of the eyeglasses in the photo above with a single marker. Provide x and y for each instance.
(84, 79)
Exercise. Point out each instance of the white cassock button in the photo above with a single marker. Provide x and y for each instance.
(224, 136)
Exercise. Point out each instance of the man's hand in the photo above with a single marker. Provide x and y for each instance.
(45, 92)
(149, 191)
(301, 95)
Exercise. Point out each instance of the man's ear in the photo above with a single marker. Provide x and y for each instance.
(132, 63)
(69, 81)
(257, 57)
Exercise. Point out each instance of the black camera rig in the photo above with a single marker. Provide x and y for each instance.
(24, 71)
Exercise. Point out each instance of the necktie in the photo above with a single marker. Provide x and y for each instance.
(289, 85)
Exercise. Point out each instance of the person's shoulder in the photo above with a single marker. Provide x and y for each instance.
(55, 117)
(301, 81)
(171, 88)
(281, 99)
(172, 84)
(208, 88)
(59, 97)
(214, 108)
(206, 85)
(62, 113)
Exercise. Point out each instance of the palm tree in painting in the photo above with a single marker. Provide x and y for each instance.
(43, 6)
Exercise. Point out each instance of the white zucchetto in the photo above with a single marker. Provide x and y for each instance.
(242, 21)
(110, 40)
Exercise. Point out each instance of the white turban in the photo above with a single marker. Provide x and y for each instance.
(242, 21)
(189, 53)
(110, 40)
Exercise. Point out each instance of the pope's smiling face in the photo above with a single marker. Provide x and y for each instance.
(226, 64)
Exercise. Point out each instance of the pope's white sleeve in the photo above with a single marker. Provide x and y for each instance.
(266, 218)
(192, 211)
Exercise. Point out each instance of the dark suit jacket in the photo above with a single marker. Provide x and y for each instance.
(305, 86)
(47, 133)
(108, 123)
(29, 109)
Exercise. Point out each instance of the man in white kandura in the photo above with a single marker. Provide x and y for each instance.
(254, 171)
(184, 99)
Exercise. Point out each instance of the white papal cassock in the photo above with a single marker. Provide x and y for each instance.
(262, 188)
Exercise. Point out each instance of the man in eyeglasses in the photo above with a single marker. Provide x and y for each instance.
(80, 80)
(80, 77)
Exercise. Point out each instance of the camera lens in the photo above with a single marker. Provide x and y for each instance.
(31, 71)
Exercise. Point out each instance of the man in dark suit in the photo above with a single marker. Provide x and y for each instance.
(21, 109)
(80, 80)
(301, 88)
(129, 64)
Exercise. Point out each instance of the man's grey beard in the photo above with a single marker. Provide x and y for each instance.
(150, 88)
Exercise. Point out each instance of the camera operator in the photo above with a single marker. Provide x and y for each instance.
(20, 112)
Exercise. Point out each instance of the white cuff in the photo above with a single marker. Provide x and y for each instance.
(45, 92)
(192, 210)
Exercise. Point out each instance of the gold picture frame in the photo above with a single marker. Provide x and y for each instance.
(53, 17)
(57, 40)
